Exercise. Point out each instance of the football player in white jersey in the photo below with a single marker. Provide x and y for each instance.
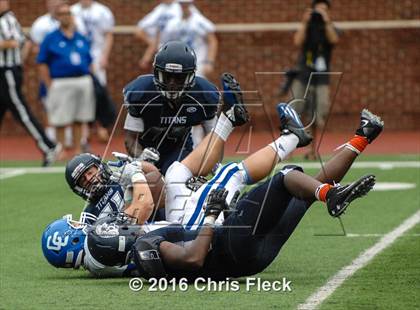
(99, 23)
(47, 23)
(194, 29)
(151, 24)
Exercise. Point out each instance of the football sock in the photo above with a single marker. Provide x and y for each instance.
(321, 192)
(223, 127)
(285, 145)
(357, 144)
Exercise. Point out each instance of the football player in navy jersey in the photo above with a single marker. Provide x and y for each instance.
(263, 219)
(106, 191)
(164, 106)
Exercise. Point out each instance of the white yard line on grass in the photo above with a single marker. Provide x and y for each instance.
(316, 165)
(364, 258)
(350, 235)
(11, 173)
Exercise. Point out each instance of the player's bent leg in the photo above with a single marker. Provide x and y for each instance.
(176, 192)
(205, 156)
(257, 213)
(337, 198)
(260, 164)
(234, 114)
(334, 170)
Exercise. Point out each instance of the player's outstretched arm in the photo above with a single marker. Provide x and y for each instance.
(193, 255)
(133, 147)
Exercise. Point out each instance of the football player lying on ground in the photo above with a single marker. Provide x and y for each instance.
(263, 219)
(92, 179)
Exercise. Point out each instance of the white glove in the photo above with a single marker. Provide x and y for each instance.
(127, 172)
(150, 154)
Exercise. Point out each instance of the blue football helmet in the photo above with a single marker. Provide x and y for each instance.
(174, 69)
(63, 241)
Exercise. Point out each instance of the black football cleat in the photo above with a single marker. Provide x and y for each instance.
(291, 123)
(371, 125)
(233, 104)
(339, 197)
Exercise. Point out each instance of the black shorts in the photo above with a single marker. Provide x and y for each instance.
(251, 238)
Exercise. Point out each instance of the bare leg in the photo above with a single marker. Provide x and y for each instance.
(77, 136)
(205, 156)
(60, 134)
(335, 169)
(301, 185)
(261, 163)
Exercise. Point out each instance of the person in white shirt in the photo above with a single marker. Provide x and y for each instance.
(99, 23)
(186, 24)
(196, 31)
(151, 24)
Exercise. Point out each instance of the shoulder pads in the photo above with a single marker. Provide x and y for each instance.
(147, 257)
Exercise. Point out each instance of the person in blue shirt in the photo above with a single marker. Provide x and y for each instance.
(64, 65)
(165, 106)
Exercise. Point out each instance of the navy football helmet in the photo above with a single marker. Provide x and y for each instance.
(63, 241)
(97, 185)
(174, 69)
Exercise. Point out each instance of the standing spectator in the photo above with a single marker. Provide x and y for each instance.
(42, 26)
(316, 37)
(64, 59)
(197, 32)
(12, 40)
(99, 23)
(151, 24)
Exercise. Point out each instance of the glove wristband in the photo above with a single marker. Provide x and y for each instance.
(209, 220)
(138, 177)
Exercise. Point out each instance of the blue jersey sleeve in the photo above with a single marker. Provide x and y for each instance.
(43, 54)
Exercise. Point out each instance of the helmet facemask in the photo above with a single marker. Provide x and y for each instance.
(96, 186)
(173, 81)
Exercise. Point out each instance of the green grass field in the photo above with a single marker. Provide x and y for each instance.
(316, 251)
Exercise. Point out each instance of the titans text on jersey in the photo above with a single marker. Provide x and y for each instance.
(112, 201)
(167, 125)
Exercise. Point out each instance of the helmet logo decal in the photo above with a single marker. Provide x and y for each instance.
(78, 170)
(170, 67)
(106, 230)
(56, 242)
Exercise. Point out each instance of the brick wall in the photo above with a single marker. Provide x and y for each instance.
(128, 12)
(380, 68)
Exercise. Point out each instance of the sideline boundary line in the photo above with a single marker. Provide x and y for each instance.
(361, 261)
(385, 165)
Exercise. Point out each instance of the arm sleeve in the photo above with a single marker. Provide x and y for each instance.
(132, 123)
(208, 125)
(206, 25)
(36, 34)
(108, 21)
(5, 34)
(43, 55)
(151, 19)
